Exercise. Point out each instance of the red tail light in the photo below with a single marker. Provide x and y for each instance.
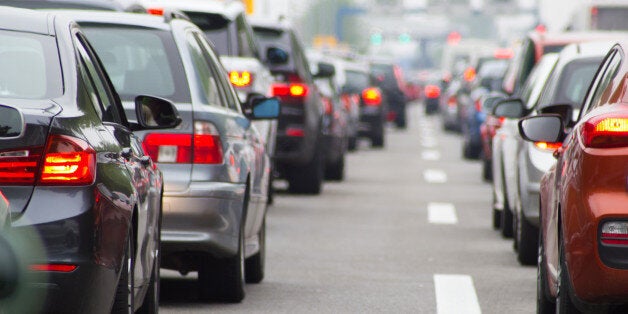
(605, 131)
(204, 147)
(469, 74)
(451, 101)
(64, 268)
(327, 105)
(548, 145)
(478, 105)
(295, 132)
(432, 91)
(346, 101)
(372, 97)
(292, 90)
(68, 161)
(240, 79)
(155, 11)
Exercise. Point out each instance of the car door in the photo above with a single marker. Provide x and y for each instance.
(115, 122)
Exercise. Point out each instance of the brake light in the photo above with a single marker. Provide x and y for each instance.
(19, 167)
(548, 145)
(615, 232)
(202, 147)
(469, 74)
(372, 97)
(292, 90)
(432, 91)
(68, 161)
(451, 101)
(64, 268)
(155, 11)
(295, 132)
(240, 79)
(327, 106)
(605, 132)
(478, 105)
(346, 101)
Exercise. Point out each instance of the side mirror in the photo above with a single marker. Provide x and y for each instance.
(509, 108)
(155, 113)
(565, 111)
(276, 56)
(542, 128)
(489, 103)
(258, 107)
(325, 70)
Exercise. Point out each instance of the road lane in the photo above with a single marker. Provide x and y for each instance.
(365, 244)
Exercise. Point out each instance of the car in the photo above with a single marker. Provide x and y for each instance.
(216, 171)
(564, 90)
(226, 26)
(389, 79)
(599, 15)
(504, 143)
(488, 129)
(335, 125)
(582, 261)
(75, 173)
(108, 5)
(300, 149)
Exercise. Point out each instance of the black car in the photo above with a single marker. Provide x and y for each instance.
(389, 79)
(73, 172)
(299, 151)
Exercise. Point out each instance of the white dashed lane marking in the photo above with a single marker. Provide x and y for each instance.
(434, 176)
(442, 213)
(431, 155)
(455, 294)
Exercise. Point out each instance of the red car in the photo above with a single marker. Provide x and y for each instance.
(583, 247)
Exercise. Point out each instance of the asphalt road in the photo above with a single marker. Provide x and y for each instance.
(408, 231)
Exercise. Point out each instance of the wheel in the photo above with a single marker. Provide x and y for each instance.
(487, 170)
(564, 304)
(400, 119)
(466, 150)
(309, 178)
(544, 305)
(151, 300)
(377, 140)
(336, 171)
(352, 145)
(507, 218)
(254, 265)
(497, 219)
(527, 239)
(223, 279)
(124, 299)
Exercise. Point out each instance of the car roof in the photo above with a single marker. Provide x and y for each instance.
(120, 18)
(228, 9)
(25, 20)
(585, 50)
(65, 4)
(278, 24)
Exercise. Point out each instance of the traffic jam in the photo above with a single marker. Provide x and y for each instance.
(271, 156)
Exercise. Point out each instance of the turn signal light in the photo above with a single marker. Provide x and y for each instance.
(292, 90)
(605, 132)
(548, 145)
(68, 161)
(432, 91)
(615, 232)
(372, 97)
(240, 79)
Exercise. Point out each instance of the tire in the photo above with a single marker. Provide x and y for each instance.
(497, 219)
(309, 178)
(544, 305)
(400, 119)
(254, 265)
(336, 171)
(507, 217)
(564, 304)
(466, 150)
(487, 170)
(223, 279)
(527, 239)
(124, 299)
(151, 300)
(377, 141)
(352, 145)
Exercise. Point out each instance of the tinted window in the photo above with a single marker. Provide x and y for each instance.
(572, 84)
(552, 48)
(268, 37)
(208, 80)
(493, 68)
(215, 27)
(29, 66)
(609, 74)
(140, 61)
(610, 18)
(356, 81)
(531, 90)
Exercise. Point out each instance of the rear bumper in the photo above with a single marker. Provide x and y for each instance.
(371, 121)
(206, 218)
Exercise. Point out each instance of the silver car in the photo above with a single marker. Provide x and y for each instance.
(216, 169)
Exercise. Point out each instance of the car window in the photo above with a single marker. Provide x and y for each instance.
(571, 84)
(140, 61)
(224, 86)
(29, 66)
(216, 27)
(356, 81)
(531, 90)
(205, 76)
(611, 67)
(246, 47)
(97, 77)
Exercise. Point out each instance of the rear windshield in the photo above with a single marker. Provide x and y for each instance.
(356, 81)
(572, 85)
(140, 61)
(494, 68)
(215, 27)
(29, 66)
(270, 37)
(609, 18)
